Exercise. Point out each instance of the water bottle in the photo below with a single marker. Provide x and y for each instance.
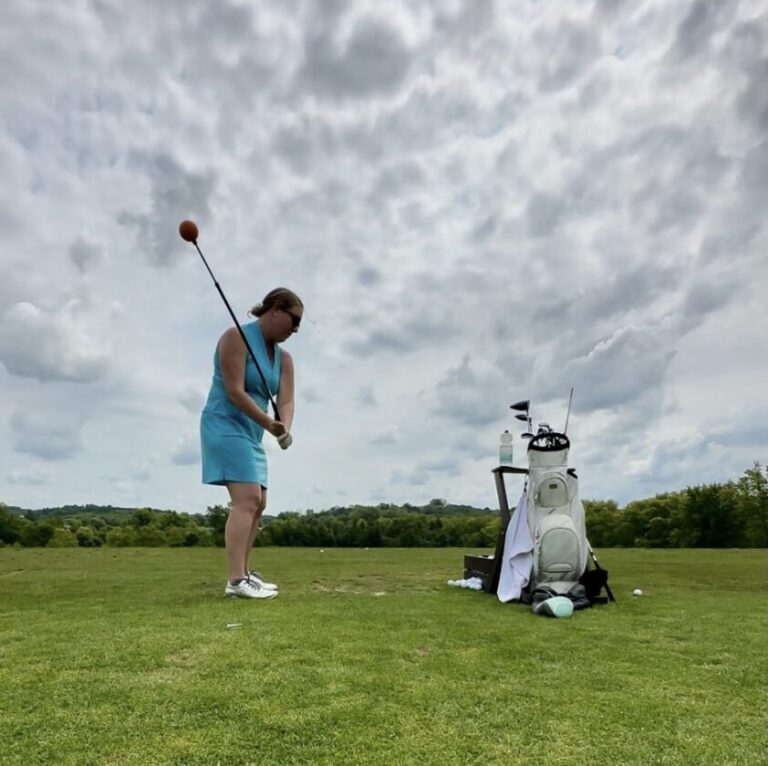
(505, 449)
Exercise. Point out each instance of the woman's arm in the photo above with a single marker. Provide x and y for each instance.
(232, 353)
(285, 401)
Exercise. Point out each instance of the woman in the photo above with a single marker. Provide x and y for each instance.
(233, 422)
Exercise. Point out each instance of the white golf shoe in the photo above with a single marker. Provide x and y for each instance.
(255, 577)
(248, 589)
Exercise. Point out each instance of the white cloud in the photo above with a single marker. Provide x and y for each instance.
(386, 435)
(175, 194)
(29, 477)
(370, 59)
(50, 345)
(84, 254)
(192, 399)
(469, 396)
(47, 435)
(365, 396)
(477, 203)
(186, 451)
(704, 19)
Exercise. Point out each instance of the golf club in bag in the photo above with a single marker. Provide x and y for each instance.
(188, 232)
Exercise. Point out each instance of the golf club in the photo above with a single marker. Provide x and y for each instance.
(523, 407)
(568, 413)
(188, 232)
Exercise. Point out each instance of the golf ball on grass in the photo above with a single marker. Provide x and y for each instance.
(637, 592)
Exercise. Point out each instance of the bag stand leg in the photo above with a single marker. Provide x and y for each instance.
(599, 568)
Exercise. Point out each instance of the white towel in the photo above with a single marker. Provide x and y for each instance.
(517, 558)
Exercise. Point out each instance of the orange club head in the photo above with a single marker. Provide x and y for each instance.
(188, 231)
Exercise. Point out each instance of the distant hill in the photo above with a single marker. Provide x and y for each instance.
(433, 508)
(76, 510)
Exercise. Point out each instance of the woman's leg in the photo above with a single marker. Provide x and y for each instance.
(244, 512)
(255, 528)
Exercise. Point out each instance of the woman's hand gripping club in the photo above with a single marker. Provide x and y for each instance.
(277, 429)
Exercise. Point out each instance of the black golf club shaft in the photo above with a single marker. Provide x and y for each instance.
(240, 330)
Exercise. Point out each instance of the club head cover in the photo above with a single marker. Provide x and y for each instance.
(557, 606)
(285, 440)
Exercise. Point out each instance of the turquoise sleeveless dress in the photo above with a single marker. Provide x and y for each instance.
(230, 441)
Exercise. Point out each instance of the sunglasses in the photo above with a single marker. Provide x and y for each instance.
(295, 319)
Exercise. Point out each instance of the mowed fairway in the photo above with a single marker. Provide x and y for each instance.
(124, 656)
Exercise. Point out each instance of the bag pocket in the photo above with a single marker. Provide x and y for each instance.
(557, 550)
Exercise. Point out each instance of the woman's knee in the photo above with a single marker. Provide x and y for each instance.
(250, 501)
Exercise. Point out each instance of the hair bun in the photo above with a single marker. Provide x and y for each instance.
(279, 298)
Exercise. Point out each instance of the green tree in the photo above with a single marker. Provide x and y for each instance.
(602, 517)
(36, 535)
(143, 517)
(709, 518)
(752, 504)
(150, 536)
(9, 526)
(63, 538)
(186, 537)
(121, 537)
(86, 538)
(657, 533)
(216, 519)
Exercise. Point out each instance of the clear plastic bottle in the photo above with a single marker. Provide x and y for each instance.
(505, 449)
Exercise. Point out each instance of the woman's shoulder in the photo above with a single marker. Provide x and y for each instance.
(229, 334)
(248, 328)
(230, 340)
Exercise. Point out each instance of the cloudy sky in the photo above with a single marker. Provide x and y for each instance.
(478, 202)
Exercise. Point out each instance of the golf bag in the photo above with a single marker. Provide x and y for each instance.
(546, 551)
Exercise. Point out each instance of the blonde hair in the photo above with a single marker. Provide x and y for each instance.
(279, 298)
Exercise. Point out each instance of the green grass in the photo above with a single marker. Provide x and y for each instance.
(368, 657)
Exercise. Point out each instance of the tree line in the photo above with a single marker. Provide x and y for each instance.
(729, 515)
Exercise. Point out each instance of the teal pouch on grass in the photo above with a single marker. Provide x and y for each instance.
(557, 606)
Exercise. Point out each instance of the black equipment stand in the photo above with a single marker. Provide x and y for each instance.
(488, 568)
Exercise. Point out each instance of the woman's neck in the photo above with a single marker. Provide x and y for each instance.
(266, 334)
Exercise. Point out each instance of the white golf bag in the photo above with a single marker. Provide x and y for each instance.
(545, 544)
(555, 515)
